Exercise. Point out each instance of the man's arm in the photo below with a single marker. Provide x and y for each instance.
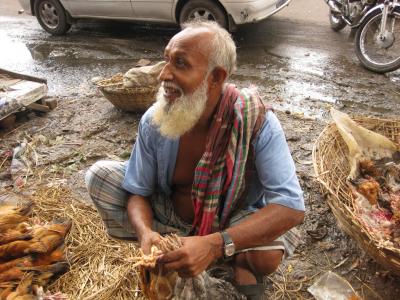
(140, 215)
(263, 227)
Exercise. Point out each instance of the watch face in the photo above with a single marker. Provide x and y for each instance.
(229, 250)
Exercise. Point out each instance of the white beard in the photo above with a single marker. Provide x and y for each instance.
(181, 116)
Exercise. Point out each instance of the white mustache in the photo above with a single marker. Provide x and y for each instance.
(171, 85)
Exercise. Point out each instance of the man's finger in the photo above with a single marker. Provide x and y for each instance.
(171, 256)
(146, 248)
(174, 266)
(184, 274)
(156, 239)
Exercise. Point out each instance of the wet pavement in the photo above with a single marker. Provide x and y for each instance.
(299, 67)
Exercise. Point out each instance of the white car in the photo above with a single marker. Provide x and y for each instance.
(56, 16)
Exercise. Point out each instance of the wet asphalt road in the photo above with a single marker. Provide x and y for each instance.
(298, 66)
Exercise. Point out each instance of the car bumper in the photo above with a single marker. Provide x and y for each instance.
(26, 5)
(253, 11)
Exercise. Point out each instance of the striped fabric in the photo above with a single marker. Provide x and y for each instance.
(219, 179)
(103, 181)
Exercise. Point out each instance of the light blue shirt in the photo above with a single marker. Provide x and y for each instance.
(152, 163)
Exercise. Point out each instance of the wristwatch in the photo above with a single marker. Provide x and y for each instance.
(229, 246)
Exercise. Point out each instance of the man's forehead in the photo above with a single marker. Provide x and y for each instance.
(191, 41)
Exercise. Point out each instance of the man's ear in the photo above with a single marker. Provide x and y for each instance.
(218, 76)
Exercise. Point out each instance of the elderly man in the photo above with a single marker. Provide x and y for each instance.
(210, 163)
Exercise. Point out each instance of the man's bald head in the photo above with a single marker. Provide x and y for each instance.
(193, 40)
(212, 41)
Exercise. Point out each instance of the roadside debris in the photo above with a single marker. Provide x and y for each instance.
(19, 92)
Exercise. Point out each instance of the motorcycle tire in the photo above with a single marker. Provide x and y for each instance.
(336, 21)
(366, 61)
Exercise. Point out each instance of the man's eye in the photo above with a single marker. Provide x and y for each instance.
(180, 63)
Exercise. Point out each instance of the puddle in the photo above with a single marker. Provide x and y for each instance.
(68, 63)
(294, 79)
(14, 55)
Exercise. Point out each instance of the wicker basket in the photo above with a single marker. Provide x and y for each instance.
(127, 99)
(332, 168)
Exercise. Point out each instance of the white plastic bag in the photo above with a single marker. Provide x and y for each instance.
(331, 286)
(362, 143)
(143, 76)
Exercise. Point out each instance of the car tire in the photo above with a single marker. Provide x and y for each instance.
(52, 16)
(204, 9)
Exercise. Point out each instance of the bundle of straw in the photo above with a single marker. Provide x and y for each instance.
(100, 268)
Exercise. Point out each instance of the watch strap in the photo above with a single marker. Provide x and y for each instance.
(227, 238)
(228, 242)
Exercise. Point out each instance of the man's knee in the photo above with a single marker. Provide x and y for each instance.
(92, 172)
(100, 170)
(264, 262)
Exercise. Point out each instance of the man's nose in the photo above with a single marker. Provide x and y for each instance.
(166, 74)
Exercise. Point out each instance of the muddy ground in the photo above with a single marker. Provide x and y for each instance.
(300, 67)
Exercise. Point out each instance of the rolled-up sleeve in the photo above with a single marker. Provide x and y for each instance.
(141, 171)
(275, 166)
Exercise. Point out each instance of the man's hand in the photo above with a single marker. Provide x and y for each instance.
(196, 254)
(149, 239)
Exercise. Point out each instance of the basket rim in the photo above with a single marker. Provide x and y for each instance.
(336, 201)
(120, 88)
(105, 85)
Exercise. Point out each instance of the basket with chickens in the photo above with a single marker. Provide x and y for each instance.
(358, 163)
(31, 255)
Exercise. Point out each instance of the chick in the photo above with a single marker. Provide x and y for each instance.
(12, 274)
(367, 167)
(156, 286)
(395, 206)
(204, 286)
(23, 290)
(369, 188)
(43, 274)
(21, 248)
(56, 255)
(19, 262)
(52, 235)
(11, 216)
(12, 235)
(5, 292)
(392, 177)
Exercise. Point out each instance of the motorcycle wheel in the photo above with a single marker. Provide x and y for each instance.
(337, 23)
(376, 55)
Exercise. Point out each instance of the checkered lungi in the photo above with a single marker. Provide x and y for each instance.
(103, 181)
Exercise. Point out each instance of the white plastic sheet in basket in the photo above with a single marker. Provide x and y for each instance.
(143, 76)
(362, 143)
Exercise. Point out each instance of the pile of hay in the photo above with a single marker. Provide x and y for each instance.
(100, 267)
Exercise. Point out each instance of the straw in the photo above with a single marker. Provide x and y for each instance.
(100, 267)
